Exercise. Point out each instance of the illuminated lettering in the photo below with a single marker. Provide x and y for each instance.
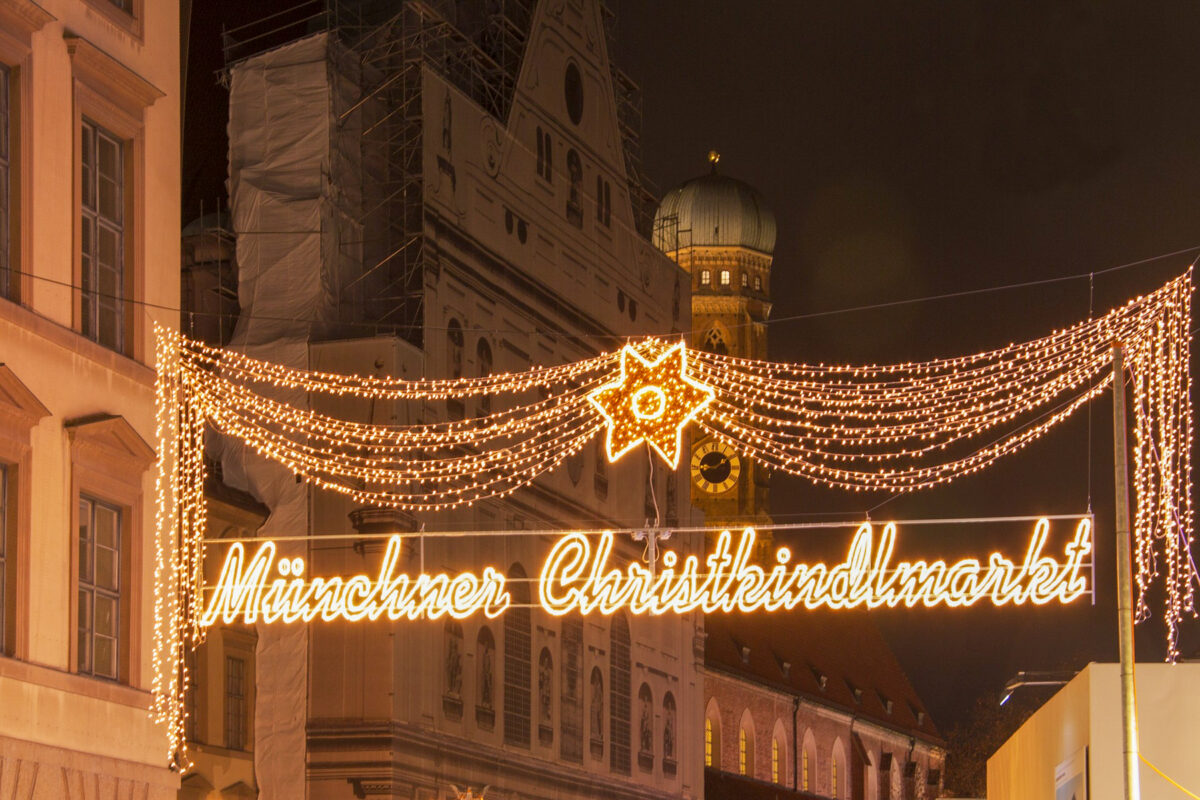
(244, 593)
(577, 577)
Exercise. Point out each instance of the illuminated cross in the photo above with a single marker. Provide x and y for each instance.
(650, 401)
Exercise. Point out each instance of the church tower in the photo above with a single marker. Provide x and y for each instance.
(720, 231)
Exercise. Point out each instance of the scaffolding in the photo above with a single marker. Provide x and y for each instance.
(379, 133)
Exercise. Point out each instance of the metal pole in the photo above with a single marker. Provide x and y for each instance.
(1133, 789)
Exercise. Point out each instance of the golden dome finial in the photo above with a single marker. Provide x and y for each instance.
(713, 158)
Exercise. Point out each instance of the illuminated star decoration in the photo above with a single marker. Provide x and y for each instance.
(650, 401)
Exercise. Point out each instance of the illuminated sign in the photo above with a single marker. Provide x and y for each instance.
(578, 577)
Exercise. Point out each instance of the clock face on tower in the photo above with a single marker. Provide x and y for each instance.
(715, 467)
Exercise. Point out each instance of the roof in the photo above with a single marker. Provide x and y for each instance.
(793, 651)
(727, 786)
(718, 211)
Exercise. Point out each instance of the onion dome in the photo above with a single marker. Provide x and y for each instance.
(714, 210)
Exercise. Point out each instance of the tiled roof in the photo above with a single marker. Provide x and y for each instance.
(799, 651)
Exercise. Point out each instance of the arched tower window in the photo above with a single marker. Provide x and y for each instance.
(545, 697)
(619, 695)
(808, 761)
(779, 751)
(714, 341)
(575, 196)
(517, 657)
(705, 277)
(837, 770)
(485, 660)
(571, 702)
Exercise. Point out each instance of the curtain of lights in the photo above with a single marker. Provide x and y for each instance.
(897, 428)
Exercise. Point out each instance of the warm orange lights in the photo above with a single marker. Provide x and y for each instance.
(651, 400)
(578, 577)
(895, 428)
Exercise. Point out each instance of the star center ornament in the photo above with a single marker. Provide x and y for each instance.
(650, 401)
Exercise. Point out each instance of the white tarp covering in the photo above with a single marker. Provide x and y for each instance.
(280, 118)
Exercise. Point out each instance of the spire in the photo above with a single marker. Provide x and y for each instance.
(713, 158)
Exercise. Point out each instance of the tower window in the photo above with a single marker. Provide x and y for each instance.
(724, 277)
(545, 155)
(758, 283)
(705, 277)
(745, 280)
(575, 197)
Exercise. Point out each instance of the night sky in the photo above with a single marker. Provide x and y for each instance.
(908, 150)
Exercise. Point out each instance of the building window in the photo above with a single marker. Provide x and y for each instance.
(758, 283)
(742, 750)
(596, 717)
(123, 5)
(804, 769)
(745, 280)
(724, 277)
(545, 156)
(8, 279)
(603, 201)
(833, 776)
(600, 482)
(571, 703)
(618, 695)
(518, 655)
(708, 743)
(705, 277)
(102, 236)
(455, 409)
(235, 703)
(99, 589)
(714, 341)
(483, 353)
(774, 761)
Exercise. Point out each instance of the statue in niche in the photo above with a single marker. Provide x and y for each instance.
(647, 720)
(487, 651)
(597, 710)
(545, 671)
(454, 659)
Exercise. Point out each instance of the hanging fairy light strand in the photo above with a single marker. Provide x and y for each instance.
(879, 427)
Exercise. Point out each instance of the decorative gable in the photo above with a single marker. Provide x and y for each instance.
(109, 445)
(20, 409)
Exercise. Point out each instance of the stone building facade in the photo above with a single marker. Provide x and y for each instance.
(89, 249)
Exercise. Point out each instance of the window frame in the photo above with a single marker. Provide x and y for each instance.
(86, 581)
(725, 277)
(130, 21)
(108, 461)
(229, 703)
(92, 135)
(110, 95)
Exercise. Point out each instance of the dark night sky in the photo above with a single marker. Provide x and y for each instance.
(912, 149)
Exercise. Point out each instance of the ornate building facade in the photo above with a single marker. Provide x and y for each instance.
(463, 191)
(89, 249)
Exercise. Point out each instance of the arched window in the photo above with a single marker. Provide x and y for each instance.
(714, 341)
(452, 700)
(712, 735)
(596, 714)
(485, 659)
(517, 657)
(645, 728)
(746, 749)
(705, 277)
(545, 697)
(758, 283)
(669, 734)
(779, 749)
(483, 354)
(619, 695)
(571, 702)
(725, 277)
(774, 761)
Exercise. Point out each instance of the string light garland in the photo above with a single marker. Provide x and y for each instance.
(894, 427)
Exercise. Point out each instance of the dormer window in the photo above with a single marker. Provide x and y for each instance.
(854, 690)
